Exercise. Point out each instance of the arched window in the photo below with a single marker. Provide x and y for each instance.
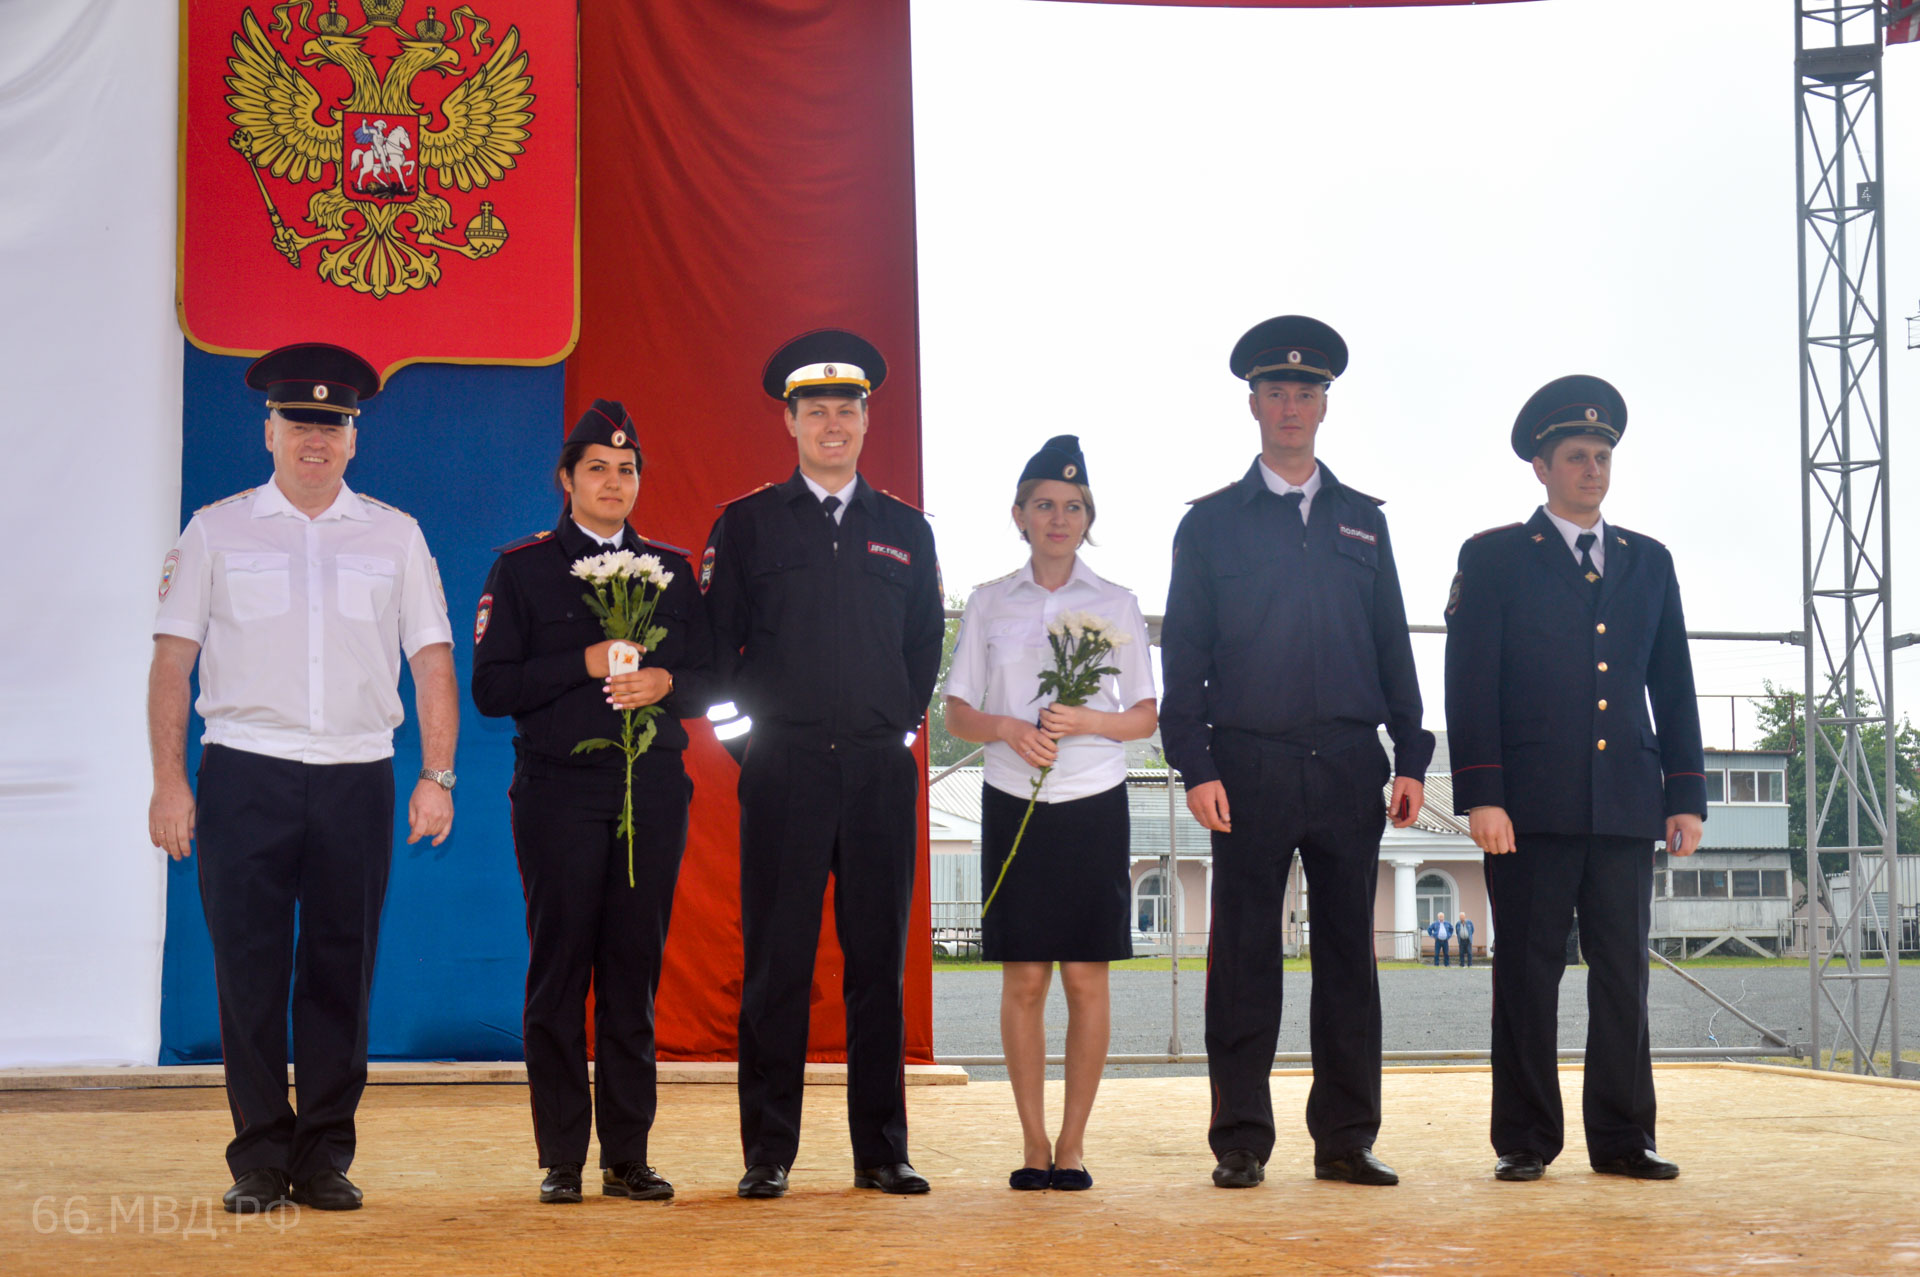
(1151, 908)
(1431, 895)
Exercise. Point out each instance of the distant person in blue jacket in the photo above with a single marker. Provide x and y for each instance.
(1463, 935)
(1441, 931)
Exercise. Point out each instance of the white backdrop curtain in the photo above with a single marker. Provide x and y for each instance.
(90, 360)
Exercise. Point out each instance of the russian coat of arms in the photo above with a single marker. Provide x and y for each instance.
(315, 99)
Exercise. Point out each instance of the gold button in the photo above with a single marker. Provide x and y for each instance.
(1603, 744)
(1603, 704)
(1603, 667)
(1600, 628)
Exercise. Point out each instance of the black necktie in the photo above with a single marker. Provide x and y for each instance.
(1295, 502)
(827, 506)
(1584, 543)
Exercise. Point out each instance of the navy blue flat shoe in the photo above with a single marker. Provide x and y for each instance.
(1029, 1179)
(1069, 1181)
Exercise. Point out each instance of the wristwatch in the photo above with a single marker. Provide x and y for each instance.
(443, 779)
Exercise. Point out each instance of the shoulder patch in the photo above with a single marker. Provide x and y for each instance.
(1620, 535)
(668, 546)
(524, 542)
(1364, 496)
(1210, 495)
(903, 501)
(1505, 527)
(721, 505)
(996, 580)
(384, 506)
(215, 505)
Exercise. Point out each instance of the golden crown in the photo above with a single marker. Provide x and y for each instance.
(431, 28)
(332, 22)
(382, 13)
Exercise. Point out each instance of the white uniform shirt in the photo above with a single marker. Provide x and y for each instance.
(1001, 652)
(820, 493)
(1280, 487)
(301, 622)
(1571, 531)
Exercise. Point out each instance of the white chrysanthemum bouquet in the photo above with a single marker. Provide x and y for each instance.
(626, 590)
(1080, 640)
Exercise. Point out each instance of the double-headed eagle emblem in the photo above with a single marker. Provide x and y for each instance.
(379, 143)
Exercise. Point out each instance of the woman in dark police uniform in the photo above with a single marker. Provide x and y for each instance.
(1065, 896)
(540, 655)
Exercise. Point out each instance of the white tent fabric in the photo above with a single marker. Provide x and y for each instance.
(90, 358)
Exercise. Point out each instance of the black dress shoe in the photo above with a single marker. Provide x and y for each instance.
(635, 1180)
(562, 1183)
(764, 1180)
(1357, 1167)
(1641, 1164)
(896, 1178)
(1238, 1168)
(258, 1191)
(1030, 1179)
(327, 1190)
(1519, 1167)
(1070, 1179)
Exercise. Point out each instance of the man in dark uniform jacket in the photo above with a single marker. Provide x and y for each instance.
(825, 601)
(593, 916)
(1285, 648)
(1559, 632)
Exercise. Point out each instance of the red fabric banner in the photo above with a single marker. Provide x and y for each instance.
(748, 175)
(1903, 22)
(392, 175)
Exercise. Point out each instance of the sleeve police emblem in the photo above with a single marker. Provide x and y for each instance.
(1453, 593)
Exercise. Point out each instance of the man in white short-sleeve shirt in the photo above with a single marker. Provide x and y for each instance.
(297, 599)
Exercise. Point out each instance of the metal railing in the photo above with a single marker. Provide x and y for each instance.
(1297, 943)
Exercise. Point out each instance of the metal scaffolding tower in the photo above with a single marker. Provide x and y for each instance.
(1845, 559)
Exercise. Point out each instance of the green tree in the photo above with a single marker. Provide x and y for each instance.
(1782, 717)
(943, 749)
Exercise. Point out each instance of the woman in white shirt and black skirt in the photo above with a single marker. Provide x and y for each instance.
(1065, 897)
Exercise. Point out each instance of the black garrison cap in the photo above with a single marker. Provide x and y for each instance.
(1576, 405)
(606, 423)
(1289, 348)
(826, 362)
(314, 382)
(1059, 458)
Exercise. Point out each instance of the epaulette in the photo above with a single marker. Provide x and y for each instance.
(215, 505)
(721, 505)
(1365, 496)
(666, 545)
(1505, 527)
(384, 506)
(523, 542)
(903, 501)
(996, 580)
(1211, 495)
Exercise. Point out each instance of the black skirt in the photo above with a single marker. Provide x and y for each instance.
(1066, 896)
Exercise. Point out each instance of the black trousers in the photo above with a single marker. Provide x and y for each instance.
(806, 811)
(1330, 808)
(1466, 951)
(278, 840)
(1534, 892)
(585, 925)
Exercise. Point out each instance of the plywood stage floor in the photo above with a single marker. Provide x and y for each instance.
(1781, 1171)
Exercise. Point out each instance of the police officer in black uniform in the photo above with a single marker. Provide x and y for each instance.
(1559, 631)
(825, 602)
(540, 655)
(1285, 648)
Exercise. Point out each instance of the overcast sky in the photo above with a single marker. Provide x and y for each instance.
(1480, 199)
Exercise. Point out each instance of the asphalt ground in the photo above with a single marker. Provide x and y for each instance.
(1425, 1008)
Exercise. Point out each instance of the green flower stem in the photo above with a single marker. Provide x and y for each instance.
(1015, 849)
